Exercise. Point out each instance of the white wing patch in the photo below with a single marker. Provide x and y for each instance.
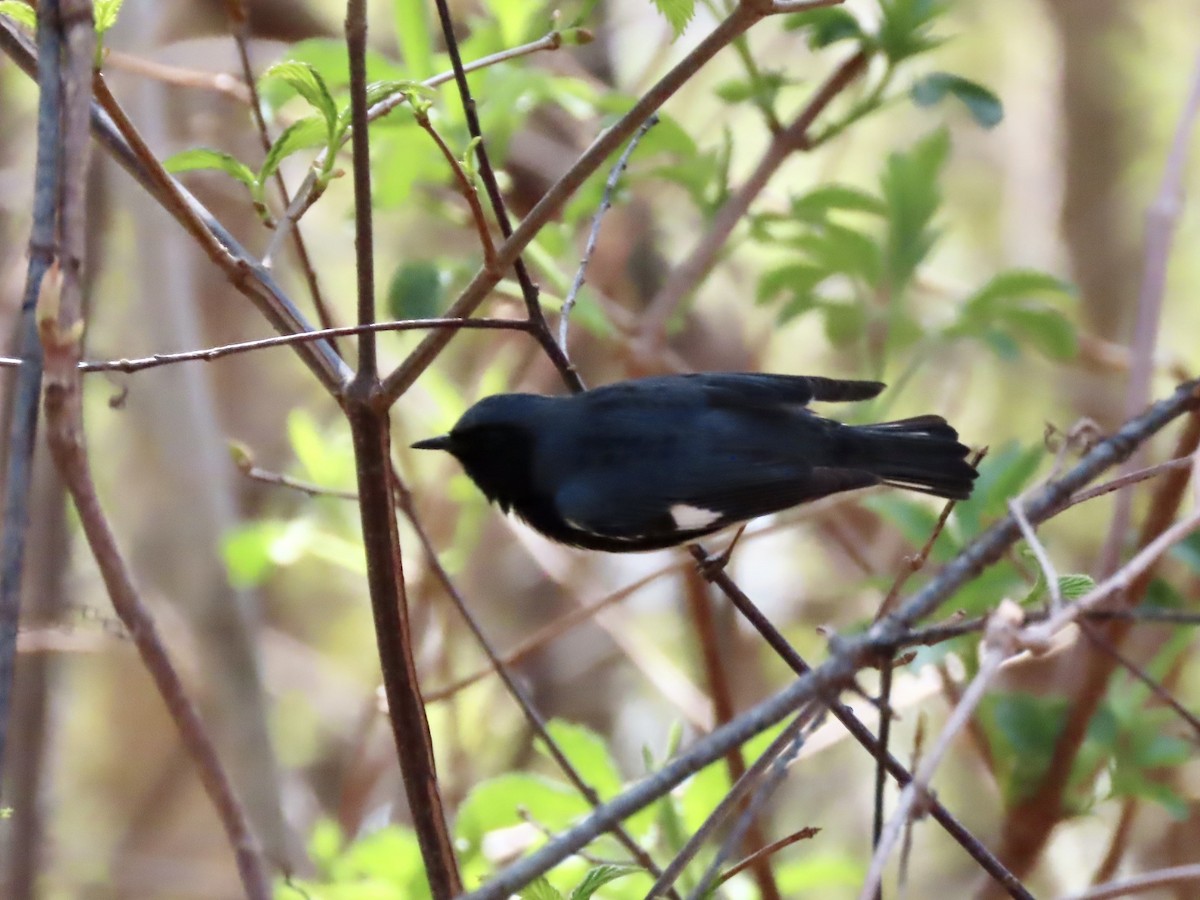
(690, 518)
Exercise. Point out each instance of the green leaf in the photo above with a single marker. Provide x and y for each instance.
(1187, 551)
(1046, 328)
(844, 322)
(588, 754)
(1072, 587)
(825, 26)
(909, 185)
(247, 552)
(837, 248)
(797, 279)
(199, 158)
(306, 81)
(904, 27)
(1014, 285)
(378, 91)
(325, 843)
(1160, 751)
(21, 13)
(300, 135)
(390, 856)
(415, 291)
(763, 89)
(817, 204)
(105, 14)
(495, 803)
(410, 20)
(677, 12)
(539, 889)
(1024, 728)
(983, 105)
(598, 877)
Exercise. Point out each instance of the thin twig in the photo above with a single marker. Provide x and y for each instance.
(22, 428)
(1161, 220)
(538, 326)
(768, 785)
(688, 273)
(1176, 876)
(240, 17)
(741, 19)
(610, 188)
(1049, 573)
(502, 668)
(60, 322)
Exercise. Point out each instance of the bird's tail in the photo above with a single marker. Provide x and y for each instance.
(921, 454)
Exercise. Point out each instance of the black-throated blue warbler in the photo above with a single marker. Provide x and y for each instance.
(654, 462)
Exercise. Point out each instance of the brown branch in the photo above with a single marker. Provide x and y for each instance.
(1028, 824)
(741, 19)
(60, 323)
(370, 429)
(717, 677)
(687, 275)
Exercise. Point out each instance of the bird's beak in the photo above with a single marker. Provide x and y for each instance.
(442, 442)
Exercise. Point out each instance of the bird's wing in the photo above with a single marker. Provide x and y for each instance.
(611, 507)
(746, 390)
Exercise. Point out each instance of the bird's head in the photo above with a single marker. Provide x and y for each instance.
(494, 441)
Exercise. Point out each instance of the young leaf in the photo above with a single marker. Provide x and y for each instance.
(105, 14)
(904, 27)
(301, 134)
(983, 105)
(306, 81)
(598, 877)
(21, 13)
(199, 158)
(415, 291)
(816, 205)
(910, 192)
(677, 12)
(825, 26)
(539, 889)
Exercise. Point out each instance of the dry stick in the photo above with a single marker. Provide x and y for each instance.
(1028, 823)
(239, 15)
(999, 644)
(304, 195)
(685, 276)
(861, 732)
(1005, 640)
(112, 128)
(211, 353)
(1160, 233)
(1176, 876)
(887, 667)
(22, 426)
(731, 801)
(852, 654)
(465, 187)
(538, 325)
(770, 782)
(502, 668)
(771, 849)
(610, 188)
(369, 428)
(60, 323)
(717, 676)
(1049, 573)
(244, 272)
(1156, 688)
(608, 141)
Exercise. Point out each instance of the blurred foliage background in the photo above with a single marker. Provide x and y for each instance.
(984, 263)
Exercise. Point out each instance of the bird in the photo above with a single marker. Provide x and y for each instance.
(655, 462)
